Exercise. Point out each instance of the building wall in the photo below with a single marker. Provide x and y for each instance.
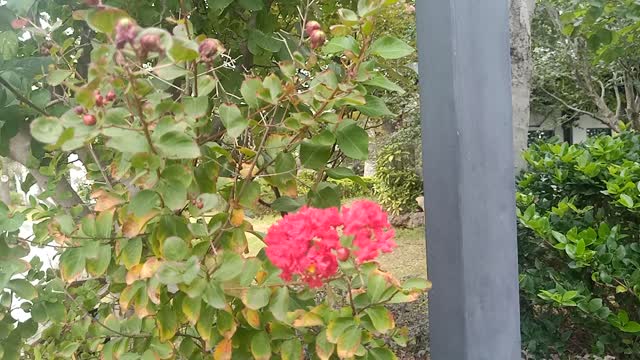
(578, 131)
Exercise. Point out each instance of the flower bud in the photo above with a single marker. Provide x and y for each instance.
(209, 49)
(311, 26)
(99, 99)
(19, 23)
(343, 254)
(150, 43)
(89, 120)
(317, 38)
(79, 110)
(111, 95)
(126, 32)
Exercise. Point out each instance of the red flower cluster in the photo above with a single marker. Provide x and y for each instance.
(307, 243)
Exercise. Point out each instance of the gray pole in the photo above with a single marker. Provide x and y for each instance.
(465, 82)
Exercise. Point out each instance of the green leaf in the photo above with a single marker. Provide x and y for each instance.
(256, 298)
(105, 20)
(324, 349)
(166, 70)
(376, 286)
(369, 7)
(143, 202)
(251, 5)
(315, 153)
(230, 268)
(626, 200)
(68, 350)
(381, 318)
(631, 327)
(178, 145)
(340, 44)
(326, 195)
(56, 77)
(380, 81)
(374, 107)
(214, 296)
(336, 327)
(55, 311)
(196, 107)
(250, 193)
(389, 47)
(291, 350)
(46, 129)
(23, 289)
(167, 323)
(19, 7)
(8, 45)
(233, 120)
(353, 141)
(348, 17)
(280, 304)
(174, 248)
(261, 346)
(126, 141)
(98, 265)
(249, 90)
(287, 204)
(183, 50)
(72, 263)
(349, 342)
(382, 354)
(131, 253)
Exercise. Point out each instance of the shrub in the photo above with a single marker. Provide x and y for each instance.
(396, 182)
(157, 264)
(579, 214)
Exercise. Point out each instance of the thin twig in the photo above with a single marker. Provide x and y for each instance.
(95, 158)
(22, 98)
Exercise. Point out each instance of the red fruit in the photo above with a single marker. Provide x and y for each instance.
(78, 110)
(19, 23)
(100, 101)
(343, 254)
(317, 38)
(150, 43)
(89, 120)
(311, 26)
(126, 32)
(111, 95)
(200, 204)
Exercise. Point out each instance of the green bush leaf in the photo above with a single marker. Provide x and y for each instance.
(291, 350)
(183, 50)
(381, 318)
(8, 45)
(23, 289)
(380, 81)
(233, 120)
(56, 77)
(389, 47)
(230, 268)
(287, 204)
(256, 298)
(315, 153)
(46, 129)
(353, 141)
(72, 263)
(374, 107)
(131, 253)
(105, 20)
(249, 90)
(178, 145)
(261, 346)
(143, 202)
(324, 349)
(349, 342)
(214, 296)
(175, 249)
(280, 304)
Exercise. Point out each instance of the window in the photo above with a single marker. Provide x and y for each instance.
(591, 132)
(540, 136)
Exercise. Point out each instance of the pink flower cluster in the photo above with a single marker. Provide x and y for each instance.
(307, 243)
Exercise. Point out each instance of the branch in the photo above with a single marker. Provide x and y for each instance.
(95, 158)
(22, 98)
(593, 115)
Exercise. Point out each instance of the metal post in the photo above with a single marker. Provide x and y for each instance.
(465, 82)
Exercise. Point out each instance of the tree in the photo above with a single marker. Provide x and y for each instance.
(586, 56)
(520, 17)
(181, 140)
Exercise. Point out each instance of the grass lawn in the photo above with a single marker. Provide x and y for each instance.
(409, 259)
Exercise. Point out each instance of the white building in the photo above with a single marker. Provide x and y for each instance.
(547, 126)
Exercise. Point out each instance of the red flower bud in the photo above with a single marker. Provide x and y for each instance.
(78, 110)
(317, 38)
(89, 120)
(209, 49)
(99, 99)
(111, 95)
(343, 254)
(311, 26)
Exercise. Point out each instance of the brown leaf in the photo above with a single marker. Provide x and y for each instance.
(133, 225)
(56, 234)
(149, 268)
(133, 274)
(237, 217)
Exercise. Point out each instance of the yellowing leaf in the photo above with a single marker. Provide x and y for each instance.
(105, 201)
(252, 317)
(134, 225)
(149, 268)
(167, 323)
(133, 274)
(307, 319)
(223, 350)
(237, 217)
